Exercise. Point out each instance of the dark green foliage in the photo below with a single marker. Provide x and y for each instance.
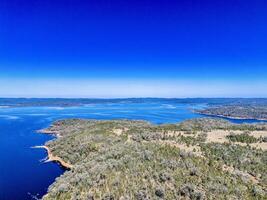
(244, 138)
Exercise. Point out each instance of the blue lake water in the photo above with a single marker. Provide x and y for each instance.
(23, 175)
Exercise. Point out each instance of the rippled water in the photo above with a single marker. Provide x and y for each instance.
(23, 174)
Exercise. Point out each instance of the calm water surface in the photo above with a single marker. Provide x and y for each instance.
(24, 175)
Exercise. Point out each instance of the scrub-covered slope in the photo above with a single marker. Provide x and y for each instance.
(137, 160)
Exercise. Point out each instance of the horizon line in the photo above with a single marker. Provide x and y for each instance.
(103, 98)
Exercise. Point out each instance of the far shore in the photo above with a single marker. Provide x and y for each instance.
(231, 117)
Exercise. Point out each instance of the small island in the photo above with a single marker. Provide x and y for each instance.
(121, 159)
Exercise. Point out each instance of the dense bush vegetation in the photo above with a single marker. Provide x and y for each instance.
(244, 158)
(244, 138)
(131, 164)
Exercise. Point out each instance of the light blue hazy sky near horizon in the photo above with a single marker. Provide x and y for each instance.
(148, 48)
(125, 87)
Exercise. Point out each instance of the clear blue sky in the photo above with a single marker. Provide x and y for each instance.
(133, 48)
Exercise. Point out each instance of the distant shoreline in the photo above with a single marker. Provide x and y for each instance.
(231, 117)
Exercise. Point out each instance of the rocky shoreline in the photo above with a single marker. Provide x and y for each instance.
(53, 158)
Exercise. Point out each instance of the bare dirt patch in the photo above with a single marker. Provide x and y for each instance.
(220, 136)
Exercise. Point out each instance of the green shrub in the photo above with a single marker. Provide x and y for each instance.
(243, 138)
